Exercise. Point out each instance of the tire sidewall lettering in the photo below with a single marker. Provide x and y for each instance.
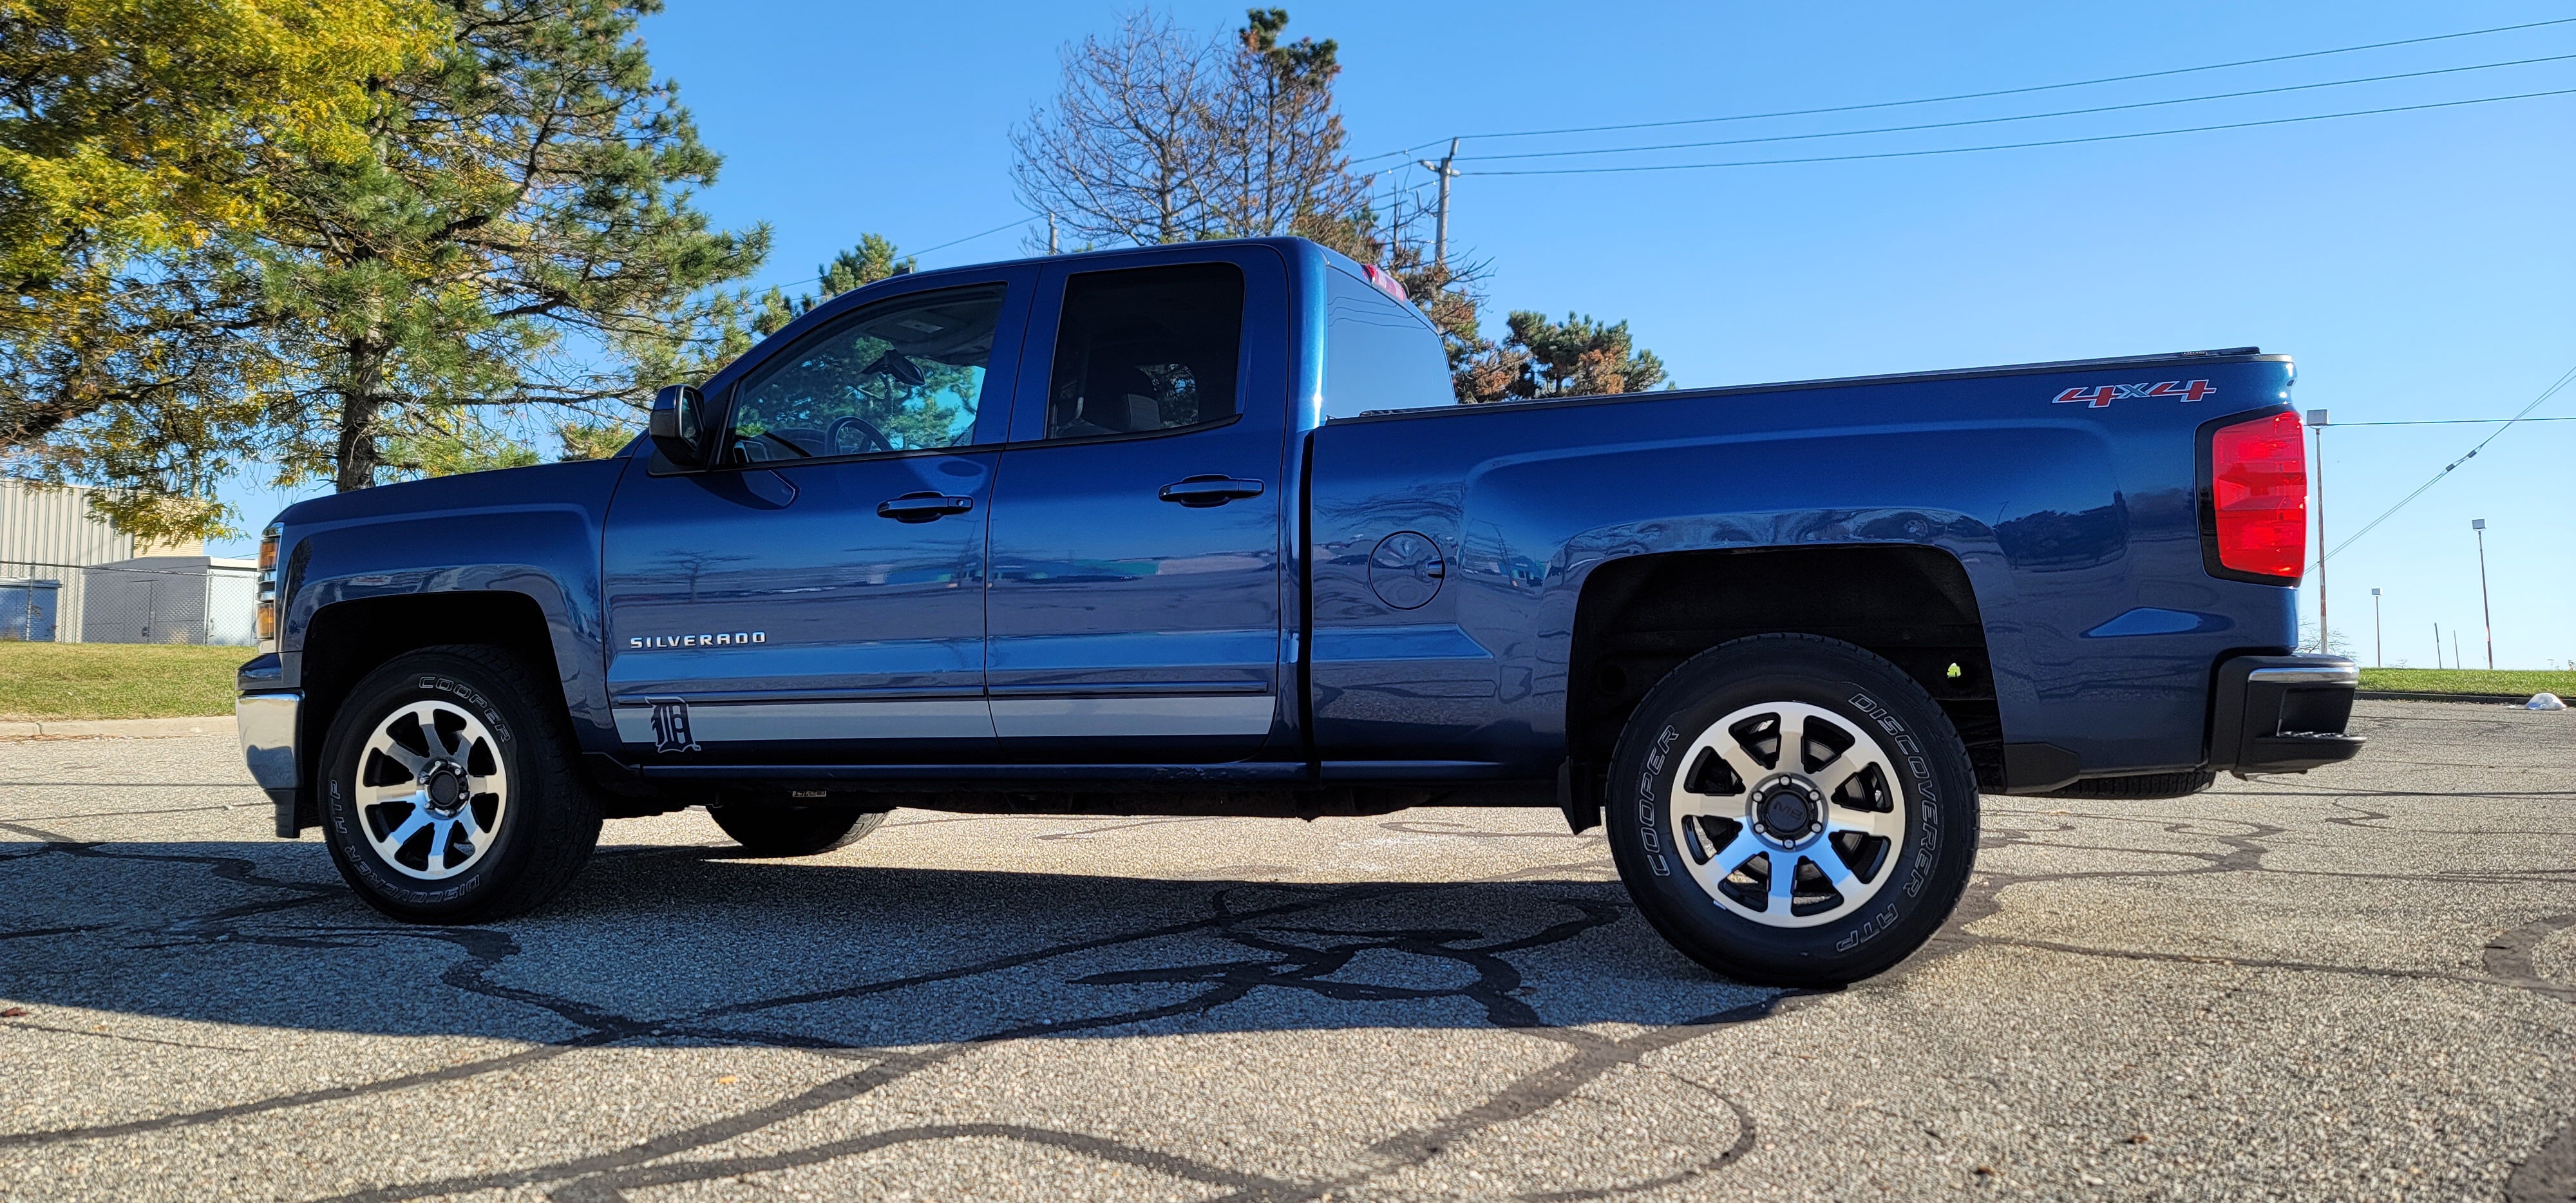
(1922, 859)
(1650, 795)
(483, 707)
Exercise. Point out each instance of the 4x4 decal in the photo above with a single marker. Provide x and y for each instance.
(2101, 396)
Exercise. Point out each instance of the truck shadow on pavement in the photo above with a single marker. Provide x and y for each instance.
(661, 945)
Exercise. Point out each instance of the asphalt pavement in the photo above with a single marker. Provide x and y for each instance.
(2356, 984)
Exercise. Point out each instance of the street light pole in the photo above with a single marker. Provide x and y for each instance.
(2325, 633)
(2488, 612)
(2378, 648)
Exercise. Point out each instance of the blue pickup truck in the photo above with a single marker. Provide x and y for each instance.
(1199, 530)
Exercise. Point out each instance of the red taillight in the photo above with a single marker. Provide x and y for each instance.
(2258, 474)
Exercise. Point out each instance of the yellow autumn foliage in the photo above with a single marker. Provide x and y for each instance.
(132, 127)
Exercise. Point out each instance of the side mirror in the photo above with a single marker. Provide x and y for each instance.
(678, 425)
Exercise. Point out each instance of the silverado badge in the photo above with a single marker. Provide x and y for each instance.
(718, 639)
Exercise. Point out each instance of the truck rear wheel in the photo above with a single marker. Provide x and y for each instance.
(1792, 810)
(777, 830)
(448, 791)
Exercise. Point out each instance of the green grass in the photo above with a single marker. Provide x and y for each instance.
(116, 680)
(2525, 682)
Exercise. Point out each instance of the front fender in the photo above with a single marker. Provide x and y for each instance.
(544, 548)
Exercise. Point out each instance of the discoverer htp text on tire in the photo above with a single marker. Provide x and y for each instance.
(1792, 810)
(448, 789)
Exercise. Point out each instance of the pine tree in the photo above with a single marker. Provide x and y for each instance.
(1577, 357)
(137, 137)
(873, 259)
(520, 237)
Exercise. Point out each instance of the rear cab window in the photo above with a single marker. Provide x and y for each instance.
(1145, 350)
(1379, 353)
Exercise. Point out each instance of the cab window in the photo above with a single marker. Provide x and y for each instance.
(1379, 354)
(906, 375)
(1147, 349)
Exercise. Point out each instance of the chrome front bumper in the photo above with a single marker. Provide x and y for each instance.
(267, 722)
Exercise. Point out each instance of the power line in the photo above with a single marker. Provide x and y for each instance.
(1418, 146)
(2536, 402)
(1018, 221)
(2081, 83)
(1021, 221)
(2451, 422)
(2108, 108)
(1960, 150)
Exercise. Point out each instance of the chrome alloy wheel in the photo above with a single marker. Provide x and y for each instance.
(431, 790)
(1788, 814)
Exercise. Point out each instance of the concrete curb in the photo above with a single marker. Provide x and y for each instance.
(119, 728)
(2387, 695)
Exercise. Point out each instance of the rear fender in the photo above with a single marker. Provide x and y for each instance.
(1598, 505)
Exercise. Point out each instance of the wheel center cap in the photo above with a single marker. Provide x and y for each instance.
(1788, 812)
(445, 789)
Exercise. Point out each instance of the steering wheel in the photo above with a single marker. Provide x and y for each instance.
(832, 435)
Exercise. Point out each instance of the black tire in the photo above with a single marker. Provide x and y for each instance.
(1916, 880)
(765, 829)
(542, 831)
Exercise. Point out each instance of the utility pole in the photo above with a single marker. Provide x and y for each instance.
(2485, 610)
(1440, 233)
(2325, 633)
(2437, 645)
(2378, 647)
(1050, 231)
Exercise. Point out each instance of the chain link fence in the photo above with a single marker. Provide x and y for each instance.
(158, 599)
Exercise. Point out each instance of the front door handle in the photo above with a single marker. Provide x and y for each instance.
(1200, 492)
(923, 507)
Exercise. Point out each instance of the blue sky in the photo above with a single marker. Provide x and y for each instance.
(2419, 265)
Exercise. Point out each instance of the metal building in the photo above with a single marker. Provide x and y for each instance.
(172, 599)
(51, 535)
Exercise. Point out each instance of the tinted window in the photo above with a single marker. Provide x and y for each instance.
(901, 376)
(1149, 349)
(1378, 352)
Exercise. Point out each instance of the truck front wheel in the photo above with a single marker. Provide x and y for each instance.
(449, 793)
(1791, 810)
(779, 830)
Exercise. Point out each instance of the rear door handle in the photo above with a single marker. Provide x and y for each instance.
(1199, 492)
(923, 507)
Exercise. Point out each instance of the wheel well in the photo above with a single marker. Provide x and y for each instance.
(351, 639)
(1640, 617)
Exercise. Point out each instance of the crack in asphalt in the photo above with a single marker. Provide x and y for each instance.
(1275, 959)
(1290, 965)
